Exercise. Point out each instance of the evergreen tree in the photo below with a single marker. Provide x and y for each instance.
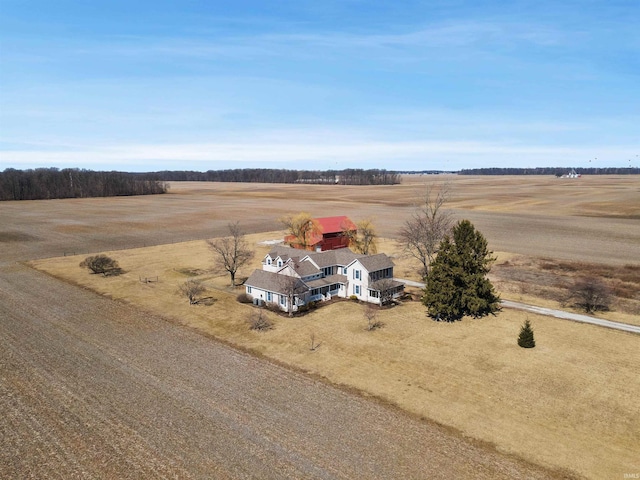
(525, 339)
(457, 284)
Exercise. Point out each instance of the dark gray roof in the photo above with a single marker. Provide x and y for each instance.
(273, 282)
(385, 283)
(377, 262)
(285, 253)
(330, 280)
(306, 268)
(288, 252)
(341, 256)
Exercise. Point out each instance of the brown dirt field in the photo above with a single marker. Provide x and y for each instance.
(591, 219)
(92, 388)
(525, 218)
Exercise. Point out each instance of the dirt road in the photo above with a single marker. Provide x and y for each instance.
(92, 388)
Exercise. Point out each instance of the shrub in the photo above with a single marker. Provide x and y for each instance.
(525, 339)
(103, 264)
(259, 321)
(354, 298)
(244, 298)
(273, 307)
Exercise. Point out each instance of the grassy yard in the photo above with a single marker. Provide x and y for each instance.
(572, 402)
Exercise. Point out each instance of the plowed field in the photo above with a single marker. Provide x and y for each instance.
(94, 388)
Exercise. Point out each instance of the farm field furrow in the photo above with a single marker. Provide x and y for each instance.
(92, 387)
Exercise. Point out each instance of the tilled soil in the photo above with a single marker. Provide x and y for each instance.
(92, 388)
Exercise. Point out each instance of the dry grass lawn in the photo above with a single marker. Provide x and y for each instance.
(572, 402)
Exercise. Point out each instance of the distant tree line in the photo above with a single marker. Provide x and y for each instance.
(557, 171)
(348, 176)
(48, 183)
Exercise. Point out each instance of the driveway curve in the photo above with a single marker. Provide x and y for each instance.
(550, 312)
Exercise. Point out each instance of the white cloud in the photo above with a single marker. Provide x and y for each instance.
(390, 155)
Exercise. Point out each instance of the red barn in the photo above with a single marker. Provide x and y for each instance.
(330, 234)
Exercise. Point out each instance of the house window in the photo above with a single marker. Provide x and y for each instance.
(344, 270)
(268, 261)
(356, 289)
(283, 300)
(269, 296)
(373, 293)
(356, 274)
(279, 263)
(248, 289)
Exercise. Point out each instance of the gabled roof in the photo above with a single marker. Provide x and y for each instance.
(336, 224)
(342, 256)
(326, 226)
(306, 268)
(329, 258)
(273, 282)
(330, 280)
(377, 262)
(285, 253)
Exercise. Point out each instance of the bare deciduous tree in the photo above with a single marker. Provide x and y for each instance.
(421, 235)
(371, 314)
(290, 287)
(364, 239)
(302, 227)
(191, 289)
(591, 294)
(232, 252)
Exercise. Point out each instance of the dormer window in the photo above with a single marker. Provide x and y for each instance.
(269, 261)
(279, 263)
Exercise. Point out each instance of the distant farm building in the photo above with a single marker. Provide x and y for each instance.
(572, 174)
(332, 233)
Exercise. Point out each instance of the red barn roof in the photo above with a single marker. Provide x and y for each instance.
(336, 224)
(328, 226)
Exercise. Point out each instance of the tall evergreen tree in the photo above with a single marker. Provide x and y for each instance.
(457, 284)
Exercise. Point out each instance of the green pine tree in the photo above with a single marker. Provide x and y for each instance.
(457, 284)
(525, 339)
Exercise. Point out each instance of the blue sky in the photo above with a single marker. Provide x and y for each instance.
(413, 85)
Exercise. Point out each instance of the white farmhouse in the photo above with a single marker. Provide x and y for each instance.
(291, 277)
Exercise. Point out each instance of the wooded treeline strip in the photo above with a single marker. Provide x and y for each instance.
(267, 175)
(49, 183)
(557, 171)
